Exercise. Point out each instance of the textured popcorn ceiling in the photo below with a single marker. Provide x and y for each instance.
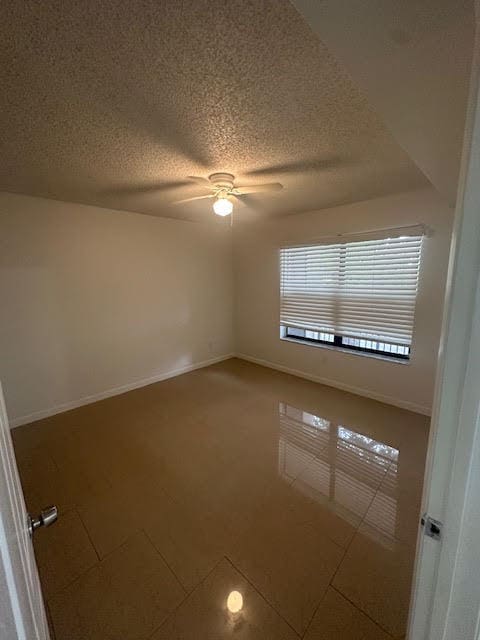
(111, 103)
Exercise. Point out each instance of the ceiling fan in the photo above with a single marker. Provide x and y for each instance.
(225, 192)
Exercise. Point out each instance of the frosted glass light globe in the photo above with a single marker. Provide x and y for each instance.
(234, 602)
(222, 207)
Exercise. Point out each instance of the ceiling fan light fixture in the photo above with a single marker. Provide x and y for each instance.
(223, 207)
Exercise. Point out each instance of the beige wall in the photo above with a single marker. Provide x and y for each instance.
(93, 300)
(257, 297)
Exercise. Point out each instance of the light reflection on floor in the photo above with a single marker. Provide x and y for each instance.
(344, 470)
(324, 550)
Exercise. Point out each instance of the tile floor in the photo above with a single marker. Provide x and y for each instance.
(303, 498)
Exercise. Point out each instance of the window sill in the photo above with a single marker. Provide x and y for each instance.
(350, 352)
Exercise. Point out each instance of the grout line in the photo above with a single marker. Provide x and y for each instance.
(308, 464)
(187, 596)
(343, 558)
(344, 554)
(134, 533)
(362, 611)
(252, 584)
(54, 462)
(345, 551)
(329, 585)
(374, 496)
(69, 584)
(88, 533)
(184, 589)
(316, 609)
(377, 529)
(350, 544)
(97, 564)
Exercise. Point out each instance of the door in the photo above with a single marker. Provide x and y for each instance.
(446, 590)
(22, 613)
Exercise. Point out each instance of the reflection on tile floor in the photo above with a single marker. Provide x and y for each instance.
(344, 470)
(303, 498)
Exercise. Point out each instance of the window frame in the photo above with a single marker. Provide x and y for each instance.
(338, 344)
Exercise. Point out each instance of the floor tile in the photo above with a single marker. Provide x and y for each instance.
(404, 482)
(204, 614)
(116, 514)
(290, 561)
(63, 552)
(346, 473)
(188, 537)
(338, 619)
(126, 596)
(59, 471)
(110, 520)
(376, 576)
(41, 481)
(36, 435)
(302, 437)
(394, 517)
(334, 521)
(233, 460)
(396, 508)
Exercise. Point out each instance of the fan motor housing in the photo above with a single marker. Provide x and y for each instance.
(222, 180)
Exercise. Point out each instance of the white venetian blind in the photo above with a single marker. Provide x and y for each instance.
(358, 288)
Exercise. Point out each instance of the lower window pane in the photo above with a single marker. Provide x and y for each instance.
(295, 333)
(402, 351)
(357, 344)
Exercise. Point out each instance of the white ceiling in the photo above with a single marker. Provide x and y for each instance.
(115, 103)
(412, 60)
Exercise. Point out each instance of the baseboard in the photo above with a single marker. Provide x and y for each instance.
(115, 391)
(67, 406)
(402, 404)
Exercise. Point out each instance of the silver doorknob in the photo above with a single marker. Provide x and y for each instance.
(46, 517)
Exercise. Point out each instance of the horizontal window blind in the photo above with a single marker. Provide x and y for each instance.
(363, 288)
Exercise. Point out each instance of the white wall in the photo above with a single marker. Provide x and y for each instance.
(257, 297)
(93, 300)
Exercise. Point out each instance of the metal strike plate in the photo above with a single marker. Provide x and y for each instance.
(432, 527)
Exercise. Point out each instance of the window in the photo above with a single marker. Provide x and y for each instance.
(358, 295)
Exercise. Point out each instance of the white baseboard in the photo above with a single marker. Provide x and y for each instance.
(67, 406)
(402, 404)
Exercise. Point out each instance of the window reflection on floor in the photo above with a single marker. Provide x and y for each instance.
(339, 467)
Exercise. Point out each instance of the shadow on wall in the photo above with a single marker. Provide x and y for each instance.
(36, 341)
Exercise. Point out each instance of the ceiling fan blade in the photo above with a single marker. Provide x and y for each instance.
(211, 195)
(248, 201)
(203, 182)
(301, 166)
(135, 189)
(238, 200)
(256, 188)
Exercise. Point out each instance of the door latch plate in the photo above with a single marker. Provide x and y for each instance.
(432, 528)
